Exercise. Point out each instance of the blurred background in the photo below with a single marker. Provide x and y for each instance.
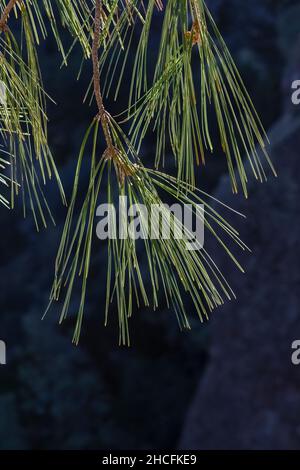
(227, 384)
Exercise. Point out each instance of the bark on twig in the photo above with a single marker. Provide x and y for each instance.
(6, 13)
(102, 114)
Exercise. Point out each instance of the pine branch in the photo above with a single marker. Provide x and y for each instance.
(23, 118)
(179, 115)
(6, 13)
(167, 260)
(111, 152)
(102, 114)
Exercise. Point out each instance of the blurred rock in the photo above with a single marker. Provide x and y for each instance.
(249, 396)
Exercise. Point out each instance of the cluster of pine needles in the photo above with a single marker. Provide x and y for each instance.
(193, 86)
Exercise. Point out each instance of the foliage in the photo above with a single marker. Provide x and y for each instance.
(195, 83)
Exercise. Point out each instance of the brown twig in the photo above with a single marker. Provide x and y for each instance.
(6, 13)
(111, 152)
(103, 116)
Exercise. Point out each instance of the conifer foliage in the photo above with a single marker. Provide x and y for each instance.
(195, 85)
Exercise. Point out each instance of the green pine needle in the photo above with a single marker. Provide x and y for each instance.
(172, 269)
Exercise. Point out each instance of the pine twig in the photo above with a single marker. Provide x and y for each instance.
(102, 114)
(111, 152)
(6, 13)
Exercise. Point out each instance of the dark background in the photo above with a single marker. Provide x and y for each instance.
(228, 384)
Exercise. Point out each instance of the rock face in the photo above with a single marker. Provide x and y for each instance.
(249, 397)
